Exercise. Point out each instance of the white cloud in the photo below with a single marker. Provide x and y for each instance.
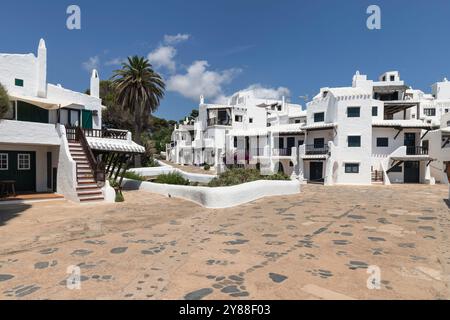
(260, 92)
(115, 62)
(198, 80)
(91, 63)
(163, 57)
(269, 93)
(174, 39)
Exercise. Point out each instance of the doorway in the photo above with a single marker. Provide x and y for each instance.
(412, 172)
(316, 171)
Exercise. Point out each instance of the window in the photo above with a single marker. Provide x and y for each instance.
(374, 111)
(18, 82)
(352, 168)
(235, 142)
(3, 161)
(298, 121)
(250, 120)
(354, 141)
(23, 161)
(446, 110)
(397, 168)
(383, 142)
(238, 118)
(319, 117)
(448, 123)
(353, 112)
(392, 78)
(430, 112)
(280, 143)
(319, 143)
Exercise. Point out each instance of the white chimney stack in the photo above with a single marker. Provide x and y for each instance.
(42, 70)
(95, 84)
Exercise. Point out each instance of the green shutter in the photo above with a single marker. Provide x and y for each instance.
(31, 113)
(86, 116)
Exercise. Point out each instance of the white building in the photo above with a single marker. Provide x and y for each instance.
(370, 132)
(51, 140)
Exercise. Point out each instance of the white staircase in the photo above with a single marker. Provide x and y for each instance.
(87, 188)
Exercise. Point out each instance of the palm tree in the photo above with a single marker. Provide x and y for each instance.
(139, 89)
(4, 101)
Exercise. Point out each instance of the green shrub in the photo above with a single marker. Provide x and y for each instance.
(236, 176)
(172, 178)
(152, 163)
(207, 167)
(4, 101)
(134, 176)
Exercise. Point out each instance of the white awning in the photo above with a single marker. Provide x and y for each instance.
(115, 145)
(43, 103)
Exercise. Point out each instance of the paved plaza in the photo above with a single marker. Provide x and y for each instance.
(319, 244)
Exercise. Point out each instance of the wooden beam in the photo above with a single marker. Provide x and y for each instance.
(394, 165)
(424, 135)
(398, 133)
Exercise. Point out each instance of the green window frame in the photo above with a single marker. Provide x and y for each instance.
(18, 82)
(352, 168)
(354, 141)
(353, 112)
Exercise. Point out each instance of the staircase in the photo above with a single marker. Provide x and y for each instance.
(87, 188)
(377, 177)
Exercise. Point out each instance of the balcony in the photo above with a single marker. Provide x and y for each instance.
(219, 122)
(282, 152)
(416, 151)
(316, 149)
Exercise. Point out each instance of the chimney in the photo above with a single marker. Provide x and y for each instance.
(95, 84)
(42, 70)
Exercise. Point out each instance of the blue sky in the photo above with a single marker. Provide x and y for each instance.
(228, 45)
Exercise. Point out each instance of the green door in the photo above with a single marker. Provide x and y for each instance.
(20, 166)
(31, 113)
(86, 116)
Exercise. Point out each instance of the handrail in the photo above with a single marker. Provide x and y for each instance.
(316, 150)
(97, 167)
(416, 151)
(106, 133)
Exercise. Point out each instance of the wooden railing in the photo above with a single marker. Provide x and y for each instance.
(106, 134)
(377, 176)
(97, 167)
(282, 152)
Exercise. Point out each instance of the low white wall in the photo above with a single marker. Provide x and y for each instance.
(109, 193)
(67, 169)
(222, 197)
(156, 171)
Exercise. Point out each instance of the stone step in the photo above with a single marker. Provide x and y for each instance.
(85, 181)
(92, 199)
(93, 192)
(90, 186)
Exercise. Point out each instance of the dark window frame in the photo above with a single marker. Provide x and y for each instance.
(352, 168)
(19, 82)
(374, 111)
(319, 117)
(353, 112)
(380, 143)
(354, 144)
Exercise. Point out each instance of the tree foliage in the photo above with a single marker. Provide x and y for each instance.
(4, 101)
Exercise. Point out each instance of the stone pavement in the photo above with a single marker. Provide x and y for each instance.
(315, 245)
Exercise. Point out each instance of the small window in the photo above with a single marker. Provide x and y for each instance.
(291, 164)
(235, 142)
(374, 111)
(392, 78)
(319, 117)
(250, 120)
(298, 121)
(354, 141)
(279, 108)
(383, 142)
(430, 112)
(238, 118)
(448, 123)
(23, 161)
(353, 112)
(446, 110)
(319, 143)
(18, 82)
(3, 161)
(352, 168)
